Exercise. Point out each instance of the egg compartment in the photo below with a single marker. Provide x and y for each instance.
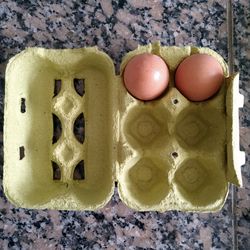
(165, 154)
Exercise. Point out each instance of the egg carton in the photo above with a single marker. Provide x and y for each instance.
(166, 154)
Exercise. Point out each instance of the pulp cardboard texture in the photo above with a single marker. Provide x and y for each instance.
(166, 154)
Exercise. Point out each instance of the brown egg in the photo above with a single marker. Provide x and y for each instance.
(146, 76)
(199, 77)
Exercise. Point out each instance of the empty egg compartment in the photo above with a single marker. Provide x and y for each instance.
(199, 183)
(146, 126)
(202, 127)
(58, 114)
(143, 182)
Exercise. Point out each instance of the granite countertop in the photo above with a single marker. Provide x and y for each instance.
(117, 27)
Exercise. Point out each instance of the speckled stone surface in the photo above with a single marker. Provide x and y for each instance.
(118, 27)
(242, 64)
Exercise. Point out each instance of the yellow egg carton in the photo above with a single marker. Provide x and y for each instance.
(166, 154)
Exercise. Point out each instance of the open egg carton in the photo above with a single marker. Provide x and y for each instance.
(166, 154)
